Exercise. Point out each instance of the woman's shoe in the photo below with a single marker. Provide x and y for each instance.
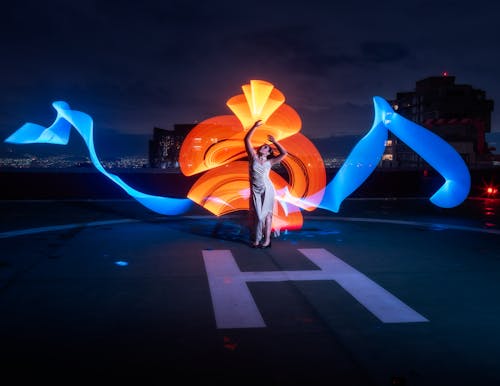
(266, 246)
(255, 245)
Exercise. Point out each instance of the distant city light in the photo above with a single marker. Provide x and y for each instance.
(445, 73)
(51, 162)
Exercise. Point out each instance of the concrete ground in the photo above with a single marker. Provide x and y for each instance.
(385, 292)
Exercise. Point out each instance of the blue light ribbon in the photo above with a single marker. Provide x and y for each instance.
(58, 133)
(368, 152)
(360, 163)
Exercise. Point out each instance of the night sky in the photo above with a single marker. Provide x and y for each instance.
(137, 65)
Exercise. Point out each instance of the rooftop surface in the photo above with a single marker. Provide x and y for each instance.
(385, 292)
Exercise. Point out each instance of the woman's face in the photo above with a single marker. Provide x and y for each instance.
(264, 150)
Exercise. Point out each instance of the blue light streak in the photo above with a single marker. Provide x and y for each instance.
(368, 152)
(361, 162)
(58, 133)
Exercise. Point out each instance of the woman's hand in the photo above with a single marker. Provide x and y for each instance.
(258, 123)
(271, 138)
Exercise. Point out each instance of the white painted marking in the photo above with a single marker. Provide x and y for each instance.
(380, 302)
(409, 223)
(21, 232)
(30, 231)
(234, 306)
(233, 303)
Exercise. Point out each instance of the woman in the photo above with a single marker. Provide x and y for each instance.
(261, 188)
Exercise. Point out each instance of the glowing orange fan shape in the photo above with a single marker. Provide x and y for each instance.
(216, 147)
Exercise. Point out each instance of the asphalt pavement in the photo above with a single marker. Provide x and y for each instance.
(385, 292)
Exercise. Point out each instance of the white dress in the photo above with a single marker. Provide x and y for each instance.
(262, 193)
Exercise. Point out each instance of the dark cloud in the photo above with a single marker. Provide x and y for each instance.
(337, 119)
(135, 65)
(383, 52)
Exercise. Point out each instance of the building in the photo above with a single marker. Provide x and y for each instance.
(165, 146)
(458, 113)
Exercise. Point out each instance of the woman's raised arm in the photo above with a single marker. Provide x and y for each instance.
(248, 139)
(280, 148)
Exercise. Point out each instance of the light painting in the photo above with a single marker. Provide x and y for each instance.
(214, 150)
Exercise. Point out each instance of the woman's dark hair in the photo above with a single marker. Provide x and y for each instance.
(271, 151)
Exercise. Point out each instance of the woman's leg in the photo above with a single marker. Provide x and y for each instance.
(257, 222)
(258, 229)
(267, 230)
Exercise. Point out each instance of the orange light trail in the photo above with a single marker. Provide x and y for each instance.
(216, 148)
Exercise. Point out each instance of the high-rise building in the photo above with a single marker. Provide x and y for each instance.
(165, 146)
(458, 113)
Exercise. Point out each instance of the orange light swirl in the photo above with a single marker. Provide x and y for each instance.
(216, 147)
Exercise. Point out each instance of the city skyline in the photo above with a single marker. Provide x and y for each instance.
(333, 150)
(133, 67)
